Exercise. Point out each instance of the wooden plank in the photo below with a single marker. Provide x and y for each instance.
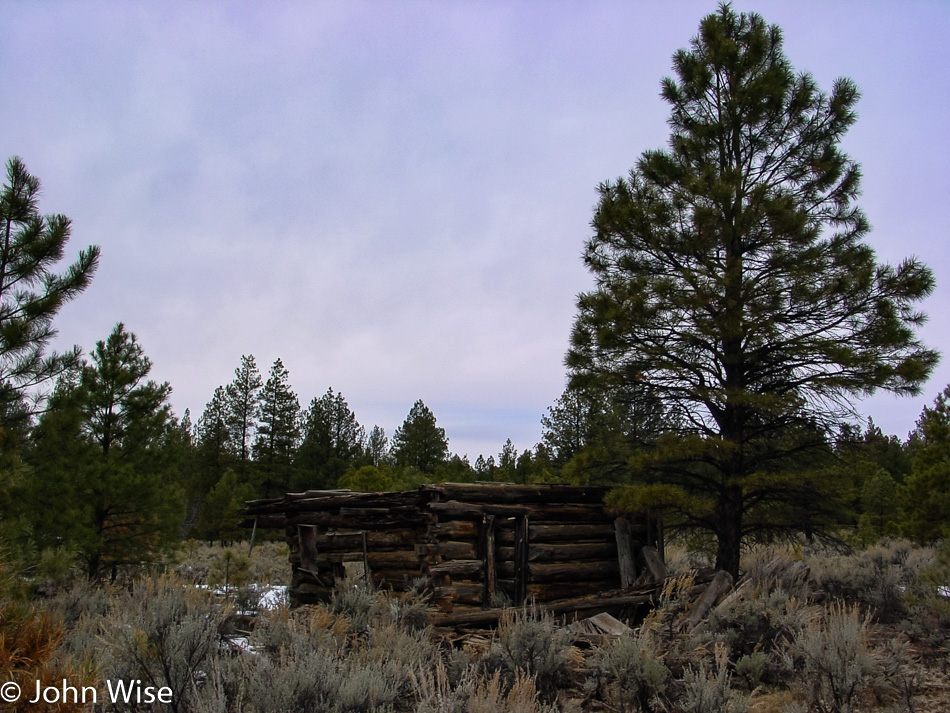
(654, 563)
(521, 560)
(625, 552)
(491, 570)
(307, 537)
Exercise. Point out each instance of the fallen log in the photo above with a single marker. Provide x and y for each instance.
(487, 616)
(720, 584)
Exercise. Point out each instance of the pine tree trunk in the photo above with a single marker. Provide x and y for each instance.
(729, 530)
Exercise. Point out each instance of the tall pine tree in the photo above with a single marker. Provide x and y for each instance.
(332, 440)
(734, 286)
(31, 292)
(278, 432)
(243, 397)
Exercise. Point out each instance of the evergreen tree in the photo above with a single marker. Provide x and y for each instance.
(377, 446)
(524, 468)
(243, 405)
(101, 449)
(507, 460)
(221, 510)
(419, 442)
(214, 452)
(278, 431)
(570, 424)
(31, 293)
(333, 439)
(925, 496)
(733, 285)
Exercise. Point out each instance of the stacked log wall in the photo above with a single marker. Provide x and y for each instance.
(478, 545)
(569, 543)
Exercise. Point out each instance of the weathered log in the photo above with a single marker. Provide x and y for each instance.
(459, 568)
(398, 580)
(625, 552)
(654, 563)
(403, 538)
(720, 584)
(509, 493)
(449, 550)
(521, 560)
(565, 571)
(396, 559)
(464, 592)
(306, 536)
(371, 514)
(491, 568)
(572, 532)
(562, 552)
(330, 520)
(454, 530)
(555, 590)
(487, 616)
(537, 512)
(335, 501)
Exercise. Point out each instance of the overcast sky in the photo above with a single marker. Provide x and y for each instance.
(392, 197)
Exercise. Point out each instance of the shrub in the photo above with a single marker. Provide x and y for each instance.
(230, 570)
(316, 659)
(710, 691)
(165, 632)
(630, 672)
(752, 668)
(757, 623)
(830, 659)
(876, 577)
(528, 641)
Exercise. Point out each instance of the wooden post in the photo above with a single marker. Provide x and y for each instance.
(521, 560)
(307, 535)
(250, 547)
(488, 524)
(628, 568)
(367, 574)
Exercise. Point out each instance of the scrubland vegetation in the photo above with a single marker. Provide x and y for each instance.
(736, 315)
(804, 630)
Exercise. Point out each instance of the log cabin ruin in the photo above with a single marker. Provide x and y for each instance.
(475, 546)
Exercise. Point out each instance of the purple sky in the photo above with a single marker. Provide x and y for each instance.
(393, 197)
